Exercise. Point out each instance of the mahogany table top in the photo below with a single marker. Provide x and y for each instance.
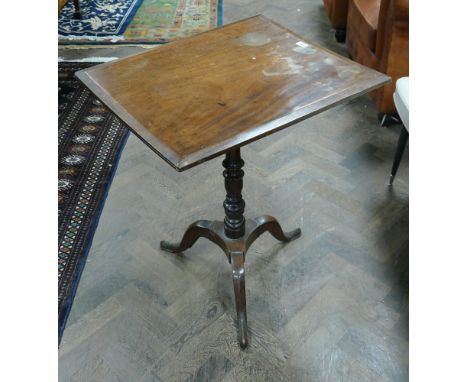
(198, 97)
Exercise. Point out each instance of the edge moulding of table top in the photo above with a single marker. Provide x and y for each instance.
(208, 95)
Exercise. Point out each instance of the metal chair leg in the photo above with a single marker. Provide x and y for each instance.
(399, 153)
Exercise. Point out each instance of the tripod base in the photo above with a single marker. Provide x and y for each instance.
(235, 250)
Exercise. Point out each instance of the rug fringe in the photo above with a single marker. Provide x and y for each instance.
(146, 46)
(93, 38)
(89, 59)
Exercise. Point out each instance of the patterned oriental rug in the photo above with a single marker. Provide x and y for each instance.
(101, 19)
(155, 22)
(90, 139)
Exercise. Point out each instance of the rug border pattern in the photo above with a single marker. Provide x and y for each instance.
(118, 41)
(92, 200)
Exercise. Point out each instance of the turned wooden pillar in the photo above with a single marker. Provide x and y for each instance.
(234, 222)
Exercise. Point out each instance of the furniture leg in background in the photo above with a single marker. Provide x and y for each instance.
(337, 12)
(399, 153)
(77, 14)
(76, 4)
(401, 99)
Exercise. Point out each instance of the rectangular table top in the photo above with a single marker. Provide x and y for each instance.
(198, 97)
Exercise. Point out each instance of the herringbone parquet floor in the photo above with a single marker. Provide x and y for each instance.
(330, 306)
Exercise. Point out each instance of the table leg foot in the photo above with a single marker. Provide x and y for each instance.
(238, 278)
(200, 228)
(267, 223)
(270, 224)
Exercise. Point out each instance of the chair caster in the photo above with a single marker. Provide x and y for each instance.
(389, 119)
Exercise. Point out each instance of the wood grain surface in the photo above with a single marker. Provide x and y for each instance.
(198, 97)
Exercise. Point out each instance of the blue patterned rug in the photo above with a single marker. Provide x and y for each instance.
(90, 141)
(101, 19)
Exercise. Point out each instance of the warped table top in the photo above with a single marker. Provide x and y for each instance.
(198, 97)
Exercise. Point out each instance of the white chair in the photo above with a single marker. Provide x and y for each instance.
(401, 99)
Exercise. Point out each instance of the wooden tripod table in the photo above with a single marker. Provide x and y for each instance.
(208, 95)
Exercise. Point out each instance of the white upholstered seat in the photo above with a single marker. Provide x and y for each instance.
(401, 99)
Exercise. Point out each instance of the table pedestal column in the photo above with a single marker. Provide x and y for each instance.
(234, 235)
